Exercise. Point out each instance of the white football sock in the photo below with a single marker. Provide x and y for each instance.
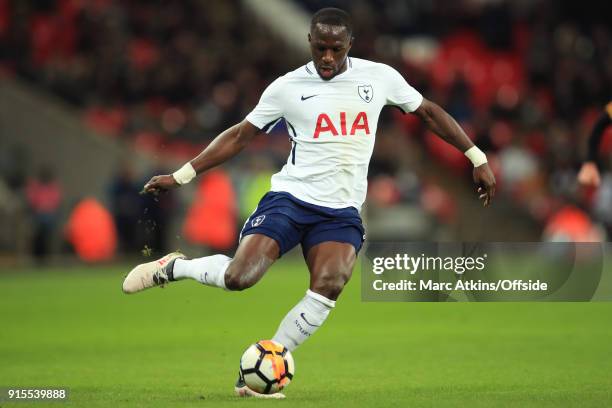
(209, 270)
(303, 320)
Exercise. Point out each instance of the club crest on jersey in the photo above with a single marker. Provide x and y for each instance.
(257, 221)
(366, 92)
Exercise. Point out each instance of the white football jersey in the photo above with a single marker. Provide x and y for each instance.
(332, 125)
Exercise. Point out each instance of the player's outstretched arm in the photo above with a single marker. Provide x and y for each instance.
(225, 146)
(589, 172)
(443, 125)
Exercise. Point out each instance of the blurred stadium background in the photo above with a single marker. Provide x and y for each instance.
(98, 95)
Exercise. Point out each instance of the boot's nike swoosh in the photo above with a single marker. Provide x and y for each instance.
(308, 97)
(307, 322)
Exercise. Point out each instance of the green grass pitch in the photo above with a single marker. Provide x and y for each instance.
(180, 346)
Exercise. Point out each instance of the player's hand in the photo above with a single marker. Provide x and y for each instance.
(485, 180)
(589, 175)
(161, 183)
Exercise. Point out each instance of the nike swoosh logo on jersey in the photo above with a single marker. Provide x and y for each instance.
(308, 97)
(307, 322)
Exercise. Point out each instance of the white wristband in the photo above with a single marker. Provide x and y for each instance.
(185, 174)
(476, 156)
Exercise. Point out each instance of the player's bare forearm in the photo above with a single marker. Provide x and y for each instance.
(443, 125)
(589, 174)
(225, 146)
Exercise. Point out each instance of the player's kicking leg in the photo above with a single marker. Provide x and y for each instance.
(330, 265)
(253, 257)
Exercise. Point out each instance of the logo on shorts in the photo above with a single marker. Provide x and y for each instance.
(258, 221)
(366, 92)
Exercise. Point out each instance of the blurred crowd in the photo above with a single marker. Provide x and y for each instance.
(175, 73)
(30, 204)
(38, 222)
(526, 80)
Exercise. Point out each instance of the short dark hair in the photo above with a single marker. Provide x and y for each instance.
(334, 17)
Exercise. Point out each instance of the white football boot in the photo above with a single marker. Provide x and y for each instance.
(242, 390)
(150, 274)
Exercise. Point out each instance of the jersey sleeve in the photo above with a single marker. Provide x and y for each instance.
(269, 109)
(399, 92)
(594, 142)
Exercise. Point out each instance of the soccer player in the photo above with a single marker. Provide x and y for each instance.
(589, 173)
(331, 107)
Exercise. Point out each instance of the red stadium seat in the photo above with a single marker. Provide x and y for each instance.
(107, 121)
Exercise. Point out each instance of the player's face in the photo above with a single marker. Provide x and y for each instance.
(329, 46)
